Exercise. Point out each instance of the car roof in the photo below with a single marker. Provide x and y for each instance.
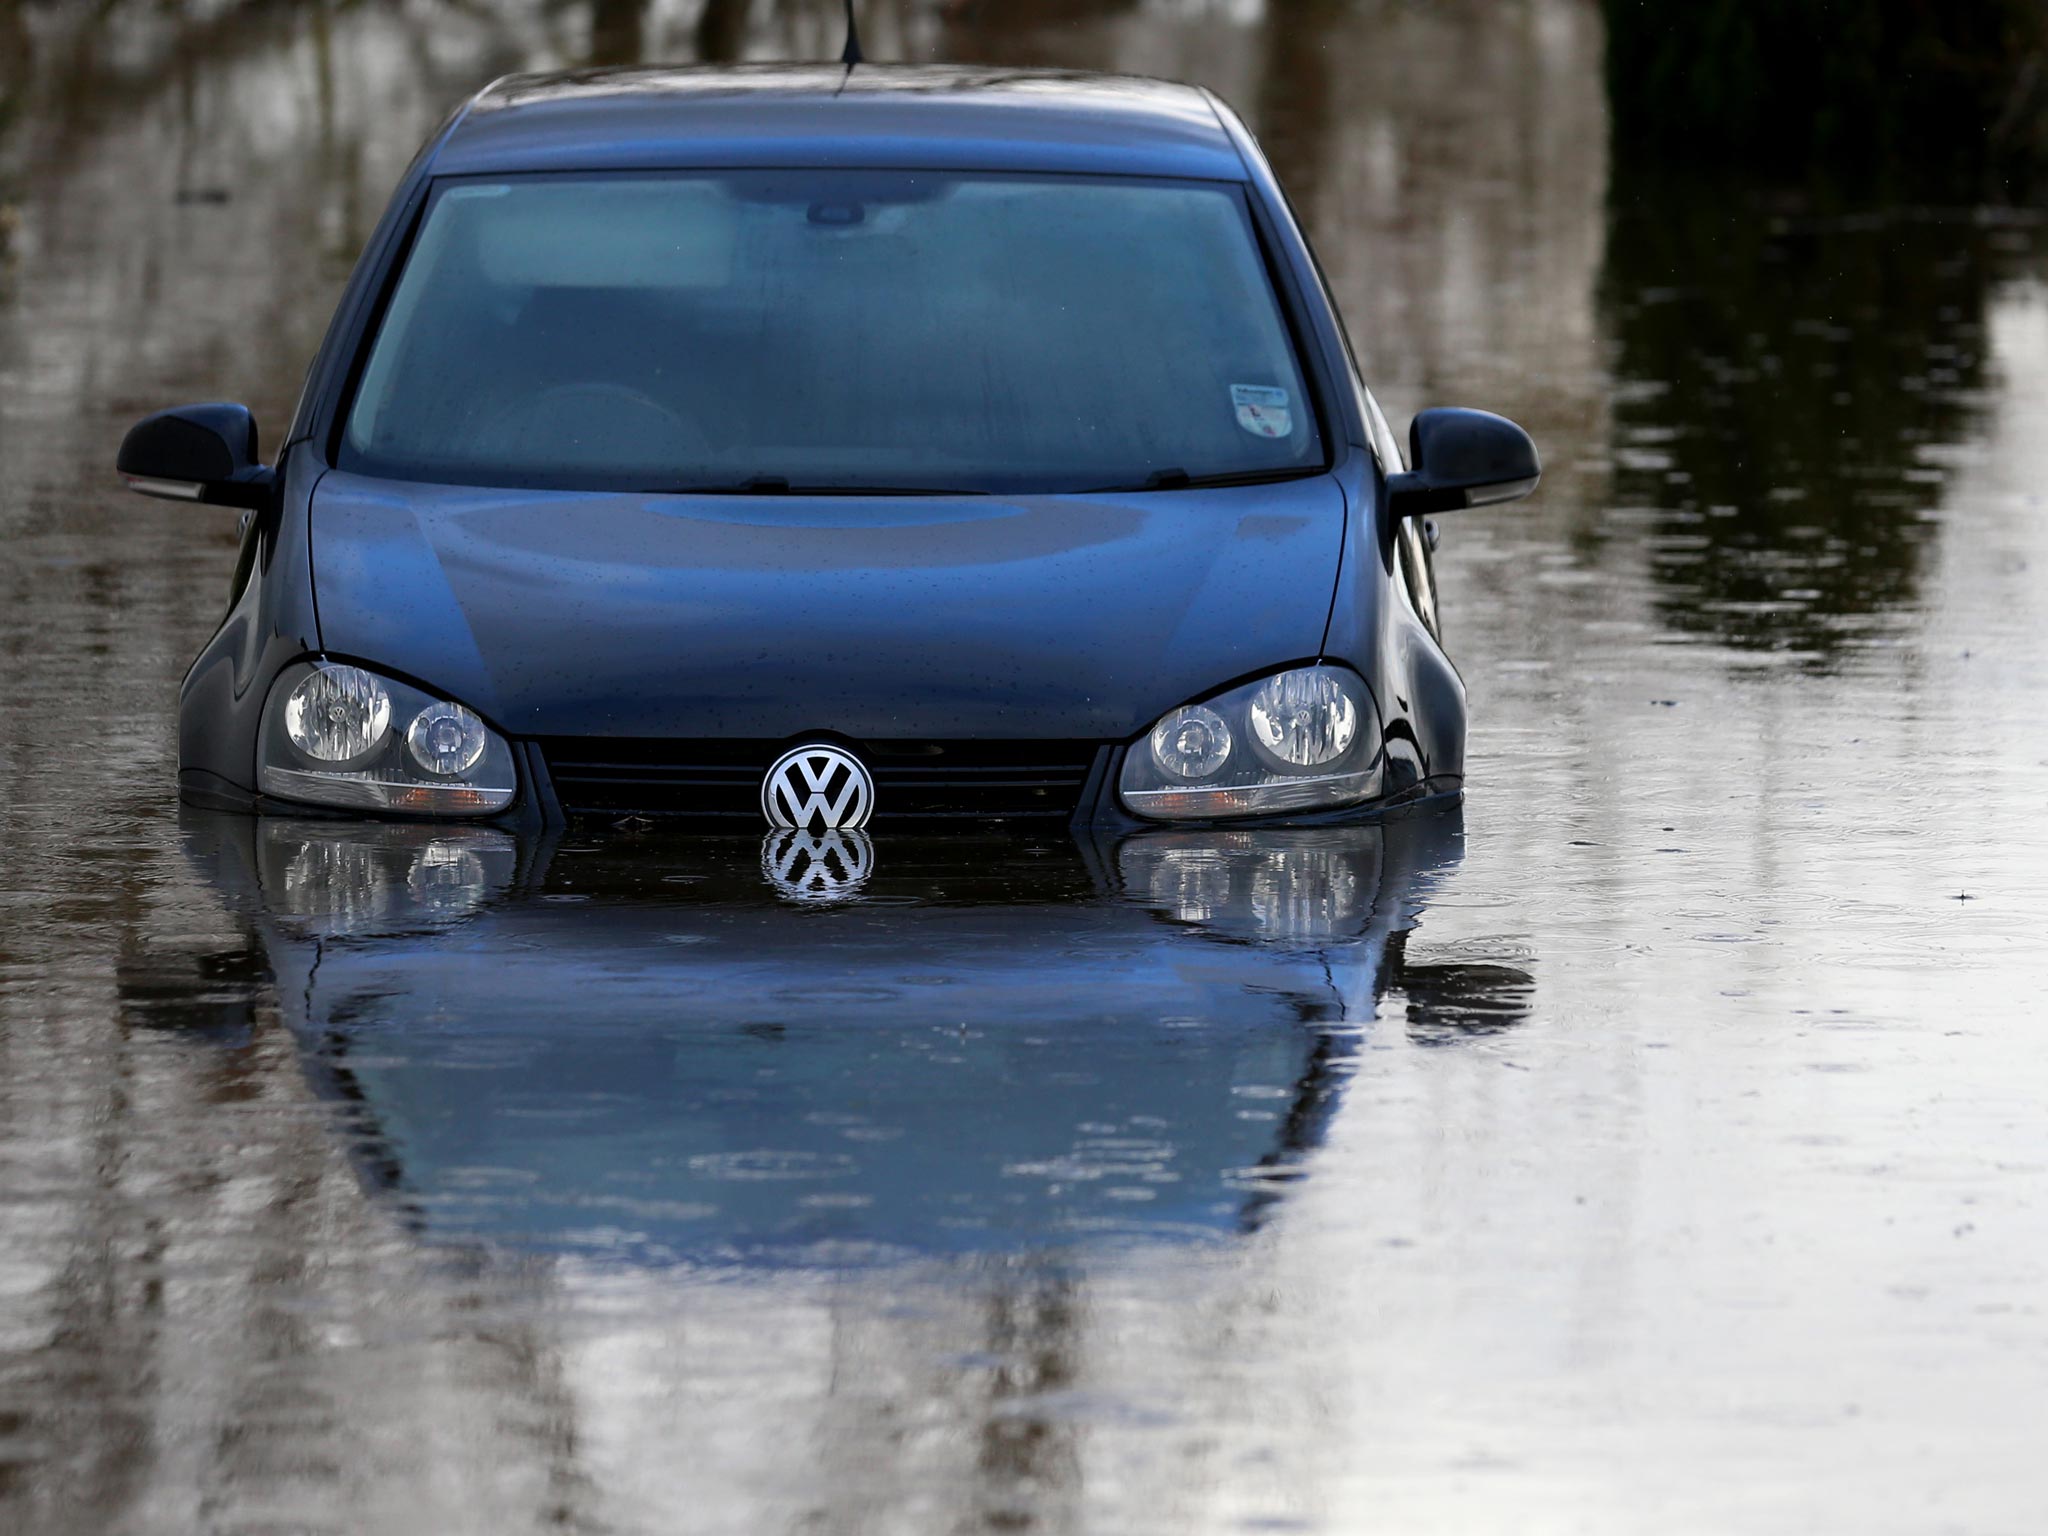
(823, 115)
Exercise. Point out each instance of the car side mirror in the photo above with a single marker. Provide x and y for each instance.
(1463, 459)
(203, 453)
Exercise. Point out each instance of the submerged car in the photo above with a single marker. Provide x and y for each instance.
(818, 446)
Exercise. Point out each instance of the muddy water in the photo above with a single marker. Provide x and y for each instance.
(1658, 1142)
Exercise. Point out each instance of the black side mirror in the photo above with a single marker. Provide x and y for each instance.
(197, 453)
(1463, 459)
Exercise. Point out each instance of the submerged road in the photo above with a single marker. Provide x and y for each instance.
(1657, 1141)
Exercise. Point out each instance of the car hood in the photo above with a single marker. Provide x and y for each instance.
(578, 613)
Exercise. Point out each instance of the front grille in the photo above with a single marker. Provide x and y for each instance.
(604, 776)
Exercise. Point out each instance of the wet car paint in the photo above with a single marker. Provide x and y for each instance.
(575, 614)
(1689, 1172)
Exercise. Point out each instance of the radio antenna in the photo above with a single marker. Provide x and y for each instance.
(850, 55)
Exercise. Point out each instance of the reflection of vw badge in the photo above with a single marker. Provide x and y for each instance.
(817, 866)
(817, 787)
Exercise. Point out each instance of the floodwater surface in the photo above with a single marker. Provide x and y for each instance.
(1657, 1141)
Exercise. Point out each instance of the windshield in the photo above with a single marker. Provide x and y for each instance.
(833, 330)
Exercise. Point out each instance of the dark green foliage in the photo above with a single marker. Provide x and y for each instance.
(1791, 386)
(1797, 300)
(1898, 92)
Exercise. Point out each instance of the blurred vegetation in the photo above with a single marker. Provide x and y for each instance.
(1791, 388)
(1798, 327)
(1904, 94)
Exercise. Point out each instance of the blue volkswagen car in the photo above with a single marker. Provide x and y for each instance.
(818, 446)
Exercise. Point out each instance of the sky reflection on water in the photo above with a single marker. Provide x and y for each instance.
(1673, 1156)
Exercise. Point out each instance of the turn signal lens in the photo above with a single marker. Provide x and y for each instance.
(1191, 743)
(338, 715)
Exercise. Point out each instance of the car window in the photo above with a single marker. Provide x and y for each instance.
(833, 329)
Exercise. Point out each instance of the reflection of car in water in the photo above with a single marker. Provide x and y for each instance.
(678, 1052)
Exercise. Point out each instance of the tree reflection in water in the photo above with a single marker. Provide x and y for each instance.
(1796, 379)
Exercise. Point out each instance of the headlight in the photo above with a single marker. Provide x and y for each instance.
(1302, 740)
(1191, 743)
(340, 735)
(446, 739)
(338, 716)
(1303, 719)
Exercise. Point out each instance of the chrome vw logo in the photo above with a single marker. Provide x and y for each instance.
(817, 866)
(817, 787)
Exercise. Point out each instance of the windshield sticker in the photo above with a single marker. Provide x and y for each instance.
(1262, 411)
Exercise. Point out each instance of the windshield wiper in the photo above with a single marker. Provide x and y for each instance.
(778, 485)
(1174, 478)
